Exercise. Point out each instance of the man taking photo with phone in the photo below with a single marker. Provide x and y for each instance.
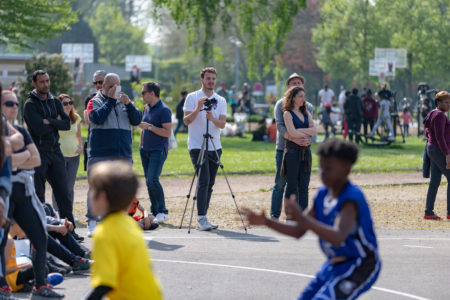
(111, 114)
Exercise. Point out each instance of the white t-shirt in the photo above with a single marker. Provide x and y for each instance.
(198, 127)
(326, 96)
(342, 97)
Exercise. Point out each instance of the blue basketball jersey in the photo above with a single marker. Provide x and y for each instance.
(361, 239)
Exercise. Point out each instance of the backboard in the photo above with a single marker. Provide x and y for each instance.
(143, 62)
(84, 52)
(398, 56)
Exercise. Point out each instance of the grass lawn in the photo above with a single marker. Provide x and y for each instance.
(243, 155)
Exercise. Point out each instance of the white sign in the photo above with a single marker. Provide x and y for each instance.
(143, 62)
(84, 52)
(392, 55)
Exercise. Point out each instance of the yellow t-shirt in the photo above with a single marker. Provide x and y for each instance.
(68, 139)
(122, 260)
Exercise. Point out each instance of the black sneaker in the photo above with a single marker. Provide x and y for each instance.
(45, 292)
(77, 237)
(80, 264)
(53, 267)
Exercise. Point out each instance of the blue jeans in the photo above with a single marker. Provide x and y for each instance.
(278, 188)
(297, 179)
(180, 123)
(438, 167)
(92, 161)
(152, 163)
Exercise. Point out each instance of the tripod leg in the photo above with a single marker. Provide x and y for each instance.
(192, 184)
(200, 162)
(228, 184)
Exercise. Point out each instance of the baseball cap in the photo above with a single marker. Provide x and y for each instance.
(295, 75)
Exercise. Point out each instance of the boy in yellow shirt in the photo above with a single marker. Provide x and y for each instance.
(122, 267)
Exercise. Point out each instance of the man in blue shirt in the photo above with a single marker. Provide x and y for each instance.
(156, 128)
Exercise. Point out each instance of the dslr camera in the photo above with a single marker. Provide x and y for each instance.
(209, 103)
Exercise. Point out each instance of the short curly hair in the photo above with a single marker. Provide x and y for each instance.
(338, 148)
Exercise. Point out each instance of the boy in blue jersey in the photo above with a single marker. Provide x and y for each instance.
(341, 218)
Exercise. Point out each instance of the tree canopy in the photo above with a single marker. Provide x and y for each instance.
(25, 21)
(261, 26)
(116, 37)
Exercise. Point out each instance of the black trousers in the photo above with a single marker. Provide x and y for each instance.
(21, 209)
(60, 251)
(354, 129)
(368, 122)
(53, 169)
(206, 179)
(70, 243)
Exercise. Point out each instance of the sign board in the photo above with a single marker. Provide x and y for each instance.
(143, 62)
(83, 52)
(258, 87)
(392, 55)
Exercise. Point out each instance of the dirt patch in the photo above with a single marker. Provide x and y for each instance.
(397, 200)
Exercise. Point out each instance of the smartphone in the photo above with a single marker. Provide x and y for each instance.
(118, 90)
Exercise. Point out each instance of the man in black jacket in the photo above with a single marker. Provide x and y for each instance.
(353, 114)
(44, 116)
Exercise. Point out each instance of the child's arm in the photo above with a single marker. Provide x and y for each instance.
(333, 234)
(141, 208)
(98, 293)
(293, 230)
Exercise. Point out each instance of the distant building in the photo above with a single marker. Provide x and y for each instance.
(12, 68)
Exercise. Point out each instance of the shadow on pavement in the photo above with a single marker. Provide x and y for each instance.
(154, 245)
(244, 236)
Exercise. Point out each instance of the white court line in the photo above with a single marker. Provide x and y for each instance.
(284, 238)
(279, 272)
(416, 246)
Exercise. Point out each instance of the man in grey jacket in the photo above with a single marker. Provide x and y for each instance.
(282, 135)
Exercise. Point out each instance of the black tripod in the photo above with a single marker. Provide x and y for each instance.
(202, 159)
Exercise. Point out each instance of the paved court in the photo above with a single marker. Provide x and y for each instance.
(226, 264)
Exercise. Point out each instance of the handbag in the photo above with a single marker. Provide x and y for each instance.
(172, 141)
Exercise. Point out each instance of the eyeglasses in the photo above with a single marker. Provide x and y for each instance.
(67, 103)
(98, 82)
(11, 103)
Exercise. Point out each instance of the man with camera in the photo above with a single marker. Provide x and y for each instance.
(202, 106)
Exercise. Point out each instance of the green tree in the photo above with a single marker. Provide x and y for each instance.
(25, 21)
(346, 38)
(60, 79)
(262, 26)
(116, 37)
(423, 29)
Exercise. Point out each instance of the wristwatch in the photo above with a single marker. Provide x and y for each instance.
(150, 127)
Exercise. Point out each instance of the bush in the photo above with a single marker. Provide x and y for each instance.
(254, 118)
(230, 119)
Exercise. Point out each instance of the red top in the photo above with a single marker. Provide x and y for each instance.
(133, 209)
(437, 130)
(370, 108)
(272, 132)
(406, 117)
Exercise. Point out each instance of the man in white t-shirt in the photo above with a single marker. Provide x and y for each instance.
(195, 117)
(341, 102)
(326, 95)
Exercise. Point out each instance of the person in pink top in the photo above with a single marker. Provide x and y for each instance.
(406, 118)
(437, 130)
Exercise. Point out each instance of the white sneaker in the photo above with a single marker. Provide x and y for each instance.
(204, 225)
(160, 218)
(213, 226)
(91, 227)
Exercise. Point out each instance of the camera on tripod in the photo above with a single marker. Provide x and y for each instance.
(209, 103)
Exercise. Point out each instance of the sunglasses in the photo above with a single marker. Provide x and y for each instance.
(11, 103)
(67, 103)
(98, 82)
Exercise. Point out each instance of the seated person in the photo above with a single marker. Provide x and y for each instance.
(272, 131)
(62, 230)
(18, 276)
(145, 221)
(259, 133)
